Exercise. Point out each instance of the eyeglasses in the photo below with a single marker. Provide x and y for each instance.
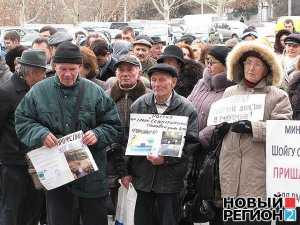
(210, 62)
(249, 63)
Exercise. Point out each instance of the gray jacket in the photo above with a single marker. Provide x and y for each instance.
(5, 73)
(169, 177)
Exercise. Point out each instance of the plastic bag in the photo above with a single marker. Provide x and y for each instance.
(126, 205)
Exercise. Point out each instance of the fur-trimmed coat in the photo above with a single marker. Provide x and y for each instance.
(190, 73)
(243, 156)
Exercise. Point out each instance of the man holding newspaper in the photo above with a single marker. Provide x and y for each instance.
(59, 106)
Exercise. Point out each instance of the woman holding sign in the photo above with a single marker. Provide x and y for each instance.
(257, 70)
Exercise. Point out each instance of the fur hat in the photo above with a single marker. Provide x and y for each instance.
(235, 68)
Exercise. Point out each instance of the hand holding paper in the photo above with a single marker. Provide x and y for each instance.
(89, 138)
(156, 160)
(50, 141)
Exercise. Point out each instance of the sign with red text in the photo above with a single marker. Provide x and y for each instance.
(283, 159)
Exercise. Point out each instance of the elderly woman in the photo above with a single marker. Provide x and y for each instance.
(210, 89)
(207, 91)
(242, 164)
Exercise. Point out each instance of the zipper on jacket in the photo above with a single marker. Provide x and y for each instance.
(153, 177)
(126, 103)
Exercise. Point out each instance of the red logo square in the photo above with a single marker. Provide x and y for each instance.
(289, 203)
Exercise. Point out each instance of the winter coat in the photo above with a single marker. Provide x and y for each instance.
(123, 99)
(108, 70)
(207, 91)
(190, 73)
(168, 177)
(242, 164)
(39, 113)
(294, 94)
(11, 93)
(121, 48)
(5, 73)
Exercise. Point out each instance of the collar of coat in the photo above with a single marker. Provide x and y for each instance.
(117, 93)
(175, 102)
(260, 87)
(218, 82)
(60, 85)
(19, 83)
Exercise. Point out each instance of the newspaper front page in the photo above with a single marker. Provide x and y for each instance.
(64, 163)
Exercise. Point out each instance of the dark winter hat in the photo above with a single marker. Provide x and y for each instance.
(293, 38)
(220, 53)
(142, 42)
(187, 38)
(145, 37)
(163, 67)
(67, 52)
(58, 38)
(171, 51)
(157, 40)
(250, 31)
(131, 59)
(33, 57)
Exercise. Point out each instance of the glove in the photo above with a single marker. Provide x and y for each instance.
(222, 129)
(242, 127)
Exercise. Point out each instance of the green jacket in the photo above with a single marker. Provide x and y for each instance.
(39, 113)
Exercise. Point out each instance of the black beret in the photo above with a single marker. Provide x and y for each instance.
(163, 67)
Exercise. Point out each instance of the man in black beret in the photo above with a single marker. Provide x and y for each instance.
(157, 184)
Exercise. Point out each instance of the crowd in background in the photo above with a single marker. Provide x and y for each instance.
(139, 74)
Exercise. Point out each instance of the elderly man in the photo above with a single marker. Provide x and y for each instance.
(124, 92)
(61, 105)
(189, 71)
(20, 203)
(290, 57)
(141, 49)
(158, 179)
(157, 47)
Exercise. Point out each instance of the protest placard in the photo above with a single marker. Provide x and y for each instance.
(64, 163)
(282, 158)
(156, 134)
(237, 108)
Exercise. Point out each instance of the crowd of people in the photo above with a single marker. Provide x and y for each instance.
(61, 85)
